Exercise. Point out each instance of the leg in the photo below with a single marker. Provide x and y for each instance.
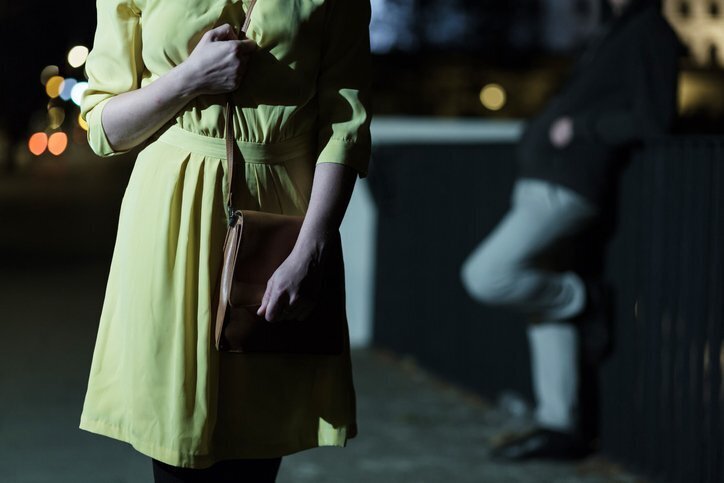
(500, 270)
(227, 471)
(554, 367)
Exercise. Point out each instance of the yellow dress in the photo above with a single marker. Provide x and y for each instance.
(156, 380)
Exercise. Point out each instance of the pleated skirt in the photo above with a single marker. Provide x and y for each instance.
(156, 380)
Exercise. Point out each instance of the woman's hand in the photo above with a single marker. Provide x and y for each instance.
(293, 290)
(219, 61)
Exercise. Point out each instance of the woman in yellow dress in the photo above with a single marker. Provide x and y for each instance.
(158, 75)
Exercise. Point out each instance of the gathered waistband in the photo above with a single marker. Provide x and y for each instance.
(266, 153)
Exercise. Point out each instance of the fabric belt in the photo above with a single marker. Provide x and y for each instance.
(264, 153)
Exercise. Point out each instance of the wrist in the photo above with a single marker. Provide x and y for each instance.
(311, 243)
(182, 82)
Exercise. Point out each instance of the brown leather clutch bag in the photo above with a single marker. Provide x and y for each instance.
(256, 244)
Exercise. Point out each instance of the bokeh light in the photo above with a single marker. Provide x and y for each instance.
(67, 88)
(38, 143)
(77, 55)
(57, 143)
(493, 97)
(48, 72)
(76, 93)
(53, 86)
(56, 116)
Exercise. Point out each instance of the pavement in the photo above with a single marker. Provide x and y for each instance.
(413, 426)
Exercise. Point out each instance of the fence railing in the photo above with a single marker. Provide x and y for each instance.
(661, 393)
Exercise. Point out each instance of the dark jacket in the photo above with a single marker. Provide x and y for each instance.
(622, 91)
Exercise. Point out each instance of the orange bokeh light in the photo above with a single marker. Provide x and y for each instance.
(37, 143)
(54, 86)
(57, 143)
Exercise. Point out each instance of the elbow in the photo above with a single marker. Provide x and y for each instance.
(96, 135)
(104, 150)
(355, 155)
(98, 142)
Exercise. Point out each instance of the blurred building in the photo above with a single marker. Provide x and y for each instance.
(700, 24)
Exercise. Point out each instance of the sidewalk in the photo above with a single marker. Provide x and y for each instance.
(413, 428)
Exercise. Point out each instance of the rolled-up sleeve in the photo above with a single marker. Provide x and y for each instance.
(343, 86)
(114, 66)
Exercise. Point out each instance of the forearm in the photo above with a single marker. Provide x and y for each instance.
(331, 191)
(130, 118)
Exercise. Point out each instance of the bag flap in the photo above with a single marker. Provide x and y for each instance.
(265, 240)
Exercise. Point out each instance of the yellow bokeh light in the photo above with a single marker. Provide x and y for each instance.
(37, 143)
(57, 142)
(77, 55)
(48, 72)
(56, 116)
(493, 97)
(54, 86)
(82, 123)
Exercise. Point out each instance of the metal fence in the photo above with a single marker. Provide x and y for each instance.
(662, 391)
(661, 395)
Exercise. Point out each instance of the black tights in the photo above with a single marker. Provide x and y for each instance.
(227, 471)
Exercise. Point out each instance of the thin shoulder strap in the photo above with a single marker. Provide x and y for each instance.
(247, 20)
(229, 131)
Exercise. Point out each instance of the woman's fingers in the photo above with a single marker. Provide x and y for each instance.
(265, 300)
(274, 307)
(286, 294)
(222, 32)
(294, 310)
(270, 311)
(299, 309)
